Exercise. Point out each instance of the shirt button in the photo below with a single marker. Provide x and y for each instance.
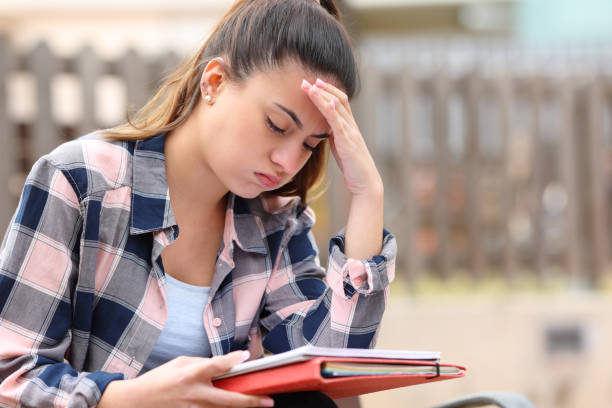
(217, 322)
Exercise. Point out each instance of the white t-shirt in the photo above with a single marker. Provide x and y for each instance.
(184, 333)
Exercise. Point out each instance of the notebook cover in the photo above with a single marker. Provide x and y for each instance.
(306, 376)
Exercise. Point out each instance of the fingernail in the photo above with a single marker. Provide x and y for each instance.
(266, 402)
(320, 82)
(245, 356)
(314, 89)
(306, 84)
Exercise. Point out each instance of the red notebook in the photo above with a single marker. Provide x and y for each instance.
(337, 376)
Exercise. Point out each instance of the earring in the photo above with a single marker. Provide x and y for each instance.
(208, 98)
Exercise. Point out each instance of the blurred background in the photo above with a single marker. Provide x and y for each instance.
(490, 121)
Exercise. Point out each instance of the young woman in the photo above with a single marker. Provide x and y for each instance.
(144, 260)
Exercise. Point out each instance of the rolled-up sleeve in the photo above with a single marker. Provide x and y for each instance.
(341, 306)
(346, 275)
(39, 261)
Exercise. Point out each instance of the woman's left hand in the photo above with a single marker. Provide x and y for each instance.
(347, 145)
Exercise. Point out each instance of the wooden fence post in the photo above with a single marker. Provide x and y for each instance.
(597, 199)
(161, 67)
(45, 133)
(568, 175)
(135, 73)
(440, 88)
(536, 88)
(504, 92)
(408, 233)
(88, 69)
(473, 175)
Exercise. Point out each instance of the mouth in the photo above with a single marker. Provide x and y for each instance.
(268, 180)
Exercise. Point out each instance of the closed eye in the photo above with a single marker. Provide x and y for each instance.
(274, 128)
(308, 147)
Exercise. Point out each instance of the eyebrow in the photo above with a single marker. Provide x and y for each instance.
(298, 122)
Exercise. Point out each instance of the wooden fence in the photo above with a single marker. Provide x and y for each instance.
(495, 162)
(497, 157)
(46, 100)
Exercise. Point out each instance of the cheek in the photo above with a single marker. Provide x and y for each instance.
(245, 130)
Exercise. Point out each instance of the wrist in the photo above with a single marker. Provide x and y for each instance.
(118, 394)
(373, 195)
(373, 191)
(364, 226)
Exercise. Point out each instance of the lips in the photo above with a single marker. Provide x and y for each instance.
(268, 180)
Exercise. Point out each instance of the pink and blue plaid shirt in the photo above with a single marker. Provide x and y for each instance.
(82, 286)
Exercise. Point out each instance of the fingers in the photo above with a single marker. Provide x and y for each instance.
(225, 398)
(329, 93)
(327, 104)
(318, 93)
(340, 96)
(198, 388)
(211, 367)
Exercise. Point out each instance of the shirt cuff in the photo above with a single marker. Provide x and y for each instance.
(100, 380)
(350, 276)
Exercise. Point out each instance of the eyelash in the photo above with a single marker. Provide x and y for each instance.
(278, 130)
(275, 128)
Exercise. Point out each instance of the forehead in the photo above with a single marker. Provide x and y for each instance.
(282, 85)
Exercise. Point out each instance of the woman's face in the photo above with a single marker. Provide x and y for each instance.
(258, 134)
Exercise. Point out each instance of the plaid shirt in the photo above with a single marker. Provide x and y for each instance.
(82, 286)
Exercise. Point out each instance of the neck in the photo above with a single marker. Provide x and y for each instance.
(194, 187)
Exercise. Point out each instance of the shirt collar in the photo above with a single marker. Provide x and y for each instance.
(247, 220)
(151, 210)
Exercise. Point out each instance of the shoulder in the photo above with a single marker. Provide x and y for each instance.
(92, 163)
(93, 151)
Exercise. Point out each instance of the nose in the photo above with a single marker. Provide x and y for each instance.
(288, 156)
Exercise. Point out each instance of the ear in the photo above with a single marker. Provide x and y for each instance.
(213, 78)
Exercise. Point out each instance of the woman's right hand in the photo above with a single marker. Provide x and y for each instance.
(182, 382)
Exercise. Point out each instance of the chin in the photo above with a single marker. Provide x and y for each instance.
(248, 196)
(247, 192)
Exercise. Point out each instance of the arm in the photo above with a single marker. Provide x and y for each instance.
(365, 225)
(182, 382)
(361, 264)
(38, 266)
(340, 307)
(361, 177)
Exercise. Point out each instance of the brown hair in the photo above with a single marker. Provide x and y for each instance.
(256, 35)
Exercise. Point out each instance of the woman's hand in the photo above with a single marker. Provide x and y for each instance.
(363, 237)
(182, 382)
(347, 145)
